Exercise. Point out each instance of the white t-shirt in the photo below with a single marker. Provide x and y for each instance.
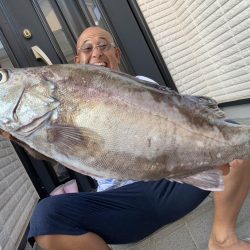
(107, 184)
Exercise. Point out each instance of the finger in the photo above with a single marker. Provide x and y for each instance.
(225, 169)
(235, 163)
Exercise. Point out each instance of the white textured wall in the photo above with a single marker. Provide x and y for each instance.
(17, 197)
(205, 44)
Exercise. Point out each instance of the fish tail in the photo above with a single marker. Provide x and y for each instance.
(211, 180)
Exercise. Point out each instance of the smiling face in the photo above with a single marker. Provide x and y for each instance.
(96, 46)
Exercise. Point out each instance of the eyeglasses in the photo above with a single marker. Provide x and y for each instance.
(89, 48)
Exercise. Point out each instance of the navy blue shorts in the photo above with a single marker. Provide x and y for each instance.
(123, 215)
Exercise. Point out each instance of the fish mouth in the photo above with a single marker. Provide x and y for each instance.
(37, 123)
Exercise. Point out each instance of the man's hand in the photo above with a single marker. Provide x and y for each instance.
(233, 164)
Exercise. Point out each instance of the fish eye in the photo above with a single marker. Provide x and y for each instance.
(3, 75)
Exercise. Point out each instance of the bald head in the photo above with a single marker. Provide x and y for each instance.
(96, 46)
(92, 32)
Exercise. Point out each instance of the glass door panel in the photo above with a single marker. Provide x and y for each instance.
(95, 13)
(57, 30)
(98, 16)
(4, 59)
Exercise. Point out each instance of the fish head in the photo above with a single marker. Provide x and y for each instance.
(26, 100)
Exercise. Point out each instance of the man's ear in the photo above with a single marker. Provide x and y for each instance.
(118, 54)
(76, 60)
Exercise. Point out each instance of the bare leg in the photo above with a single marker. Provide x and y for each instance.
(227, 207)
(88, 241)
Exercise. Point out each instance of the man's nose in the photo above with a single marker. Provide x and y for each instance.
(97, 52)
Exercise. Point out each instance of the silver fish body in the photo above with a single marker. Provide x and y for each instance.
(108, 124)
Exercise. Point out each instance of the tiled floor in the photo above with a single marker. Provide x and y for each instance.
(191, 232)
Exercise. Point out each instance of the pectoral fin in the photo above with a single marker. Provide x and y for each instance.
(69, 140)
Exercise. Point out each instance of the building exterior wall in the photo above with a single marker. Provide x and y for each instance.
(17, 197)
(205, 44)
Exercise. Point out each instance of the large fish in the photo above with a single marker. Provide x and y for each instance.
(108, 124)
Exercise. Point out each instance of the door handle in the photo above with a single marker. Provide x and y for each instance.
(39, 54)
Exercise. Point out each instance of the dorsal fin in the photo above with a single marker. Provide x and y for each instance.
(210, 106)
(151, 84)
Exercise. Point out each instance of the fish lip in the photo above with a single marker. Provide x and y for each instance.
(37, 123)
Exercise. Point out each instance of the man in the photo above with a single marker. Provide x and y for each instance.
(133, 210)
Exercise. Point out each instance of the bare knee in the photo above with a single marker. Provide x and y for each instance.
(45, 241)
(88, 241)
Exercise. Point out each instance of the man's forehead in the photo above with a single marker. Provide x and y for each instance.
(95, 34)
(97, 37)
